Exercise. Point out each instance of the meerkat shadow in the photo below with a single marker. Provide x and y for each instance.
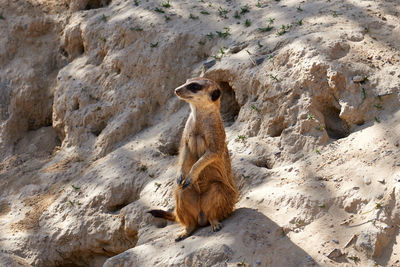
(253, 233)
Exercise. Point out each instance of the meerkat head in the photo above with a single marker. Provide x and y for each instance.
(200, 92)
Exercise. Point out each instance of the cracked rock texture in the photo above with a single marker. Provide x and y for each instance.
(90, 130)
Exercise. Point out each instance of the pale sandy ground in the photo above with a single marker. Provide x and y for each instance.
(89, 129)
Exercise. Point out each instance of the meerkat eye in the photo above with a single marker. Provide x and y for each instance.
(194, 87)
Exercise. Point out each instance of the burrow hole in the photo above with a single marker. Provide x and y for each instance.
(276, 127)
(93, 4)
(97, 129)
(229, 106)
(334, 125)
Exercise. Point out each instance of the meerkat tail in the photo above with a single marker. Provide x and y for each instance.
(163, 214)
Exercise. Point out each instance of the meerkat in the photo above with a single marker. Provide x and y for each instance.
(206, 191)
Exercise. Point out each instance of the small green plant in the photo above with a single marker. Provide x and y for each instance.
(378, 107)
(284, 29)
(222, 12)
(265, 29)
(320, 128)
(274, 77)
(364, 94)
(204, 12)
(245, 176)
(153, 45)
(225, 33)
(221, 50)
(299, 222)
(354, 258)
(167, 18)
(379, 97)
(217, 57)
(244, 9)
(210, 36)
(310, 116)
(322, 206)
(254, 107)
(2, 17)
(73, 203)
(247, 23)
(76, 188)
(103, 39)
(202, 42)
(104, 18)
(378, 205)
(377, 120)
(259, 44)
(241, 137)
(319, 153)
(236, 15)
(335, 14)
(258, 4)
(157, 184)
(136, 2)
(166, 4)
(143, 168)
(366, 30)
(138, 29)
(299, 22)
(364, 80)
(269, 27)
(191, 16)
(159, 10)
(299, 8)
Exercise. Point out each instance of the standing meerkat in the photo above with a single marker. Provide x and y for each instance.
(206, 191)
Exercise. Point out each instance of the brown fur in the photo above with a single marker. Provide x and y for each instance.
(206, 190)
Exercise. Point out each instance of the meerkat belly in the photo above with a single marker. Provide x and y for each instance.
(197, 145)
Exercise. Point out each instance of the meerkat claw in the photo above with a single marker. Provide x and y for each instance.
(187, 182)
(216, 227)
(179, 180)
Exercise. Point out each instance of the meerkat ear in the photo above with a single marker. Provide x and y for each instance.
(215, 94)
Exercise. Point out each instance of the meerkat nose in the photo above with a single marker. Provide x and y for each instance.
(178, 91)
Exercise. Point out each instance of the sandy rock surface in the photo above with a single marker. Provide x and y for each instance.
(90, 128)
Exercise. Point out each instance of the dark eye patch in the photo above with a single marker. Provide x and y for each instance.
(215, 95)
(194, 87)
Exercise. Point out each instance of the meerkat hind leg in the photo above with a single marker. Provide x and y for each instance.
(216, 205)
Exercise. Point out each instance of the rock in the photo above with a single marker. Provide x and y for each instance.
(259, 60)
(374, 240)
(208, 64)
(356, 37)
(334, 254)
(367, 180)
(396, 177)
(358, 79)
